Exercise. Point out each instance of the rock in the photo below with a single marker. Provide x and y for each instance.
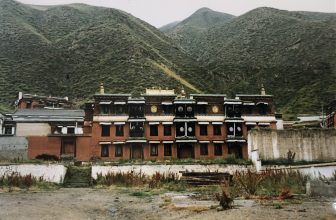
(219, 209)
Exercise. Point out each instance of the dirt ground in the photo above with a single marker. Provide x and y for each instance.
(115, 203)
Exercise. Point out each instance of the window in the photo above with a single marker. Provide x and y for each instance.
(202, 109)
(71, 130)
(119, 109)
(28, 105)
(204, 149)
(105, 130)
(167, 130)
(217, 130)
(119, 130)
(118, 150)
(8, 130)
(153, 130)
(167, 150)
(104, 109)
(239, 129)
(104, 150)
(153, 149)
(218, 149)
(203, 130)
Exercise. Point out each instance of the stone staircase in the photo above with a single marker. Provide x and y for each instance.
(78, 177)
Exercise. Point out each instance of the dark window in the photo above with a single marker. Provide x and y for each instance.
(203, 130)
(8, 130)
(105, 130)
(153, 130)
(189, 111)
(167, 130)
(136, 111)
(119, 109)
(204, 149)
(136, 129)
(119, 130)
(230, 129)
(71, 130)
(118, 150)
(28, 105)
(239, 129)
(217, 130)
(180, 111)
(190, 129)
(167, 150)
(202, 109)
(230, 111)
(153, 149)
(167, 109)
(218, 149)
(105, 109)
(180, 129)
(104, 150)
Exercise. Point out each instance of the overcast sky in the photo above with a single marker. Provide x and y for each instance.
(161, 12)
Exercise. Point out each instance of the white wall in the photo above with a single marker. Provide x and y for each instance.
(32, 129)
(50, 172)
(307, 144)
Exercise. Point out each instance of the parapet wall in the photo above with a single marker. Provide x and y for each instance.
(307, 144)
(13, 148)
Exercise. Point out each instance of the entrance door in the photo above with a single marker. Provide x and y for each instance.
(185, 151)
(136, 151)
(237, 150)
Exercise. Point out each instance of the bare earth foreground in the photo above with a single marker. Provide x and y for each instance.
(122, 204)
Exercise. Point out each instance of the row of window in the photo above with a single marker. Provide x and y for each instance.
(154, 150)
(234, 129)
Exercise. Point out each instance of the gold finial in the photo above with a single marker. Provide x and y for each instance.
(183, 94)
(102, 88)
(263, 92)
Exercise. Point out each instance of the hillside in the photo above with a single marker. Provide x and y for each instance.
(70, 49)
(292, 53)
(189, 32)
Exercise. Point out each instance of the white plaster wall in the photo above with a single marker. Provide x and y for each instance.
(308, 144)
(315, 172)
(50, 172)
(30, 129)
(152, 169)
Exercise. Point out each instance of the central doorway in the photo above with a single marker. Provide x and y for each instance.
(136, 151)
(236, 149)
(185, 150)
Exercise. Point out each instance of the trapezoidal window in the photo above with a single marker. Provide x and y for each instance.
(167, 130)
(105, 150)
(118, 150)
(105, 130)
(203, 130)
(218, 150)
(119, 130)
(153, 149)
(154, 130)
(167, 150)
(204, 149)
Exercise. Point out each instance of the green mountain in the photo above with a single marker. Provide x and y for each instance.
(292, 53)
(68, 50)
(189, 32)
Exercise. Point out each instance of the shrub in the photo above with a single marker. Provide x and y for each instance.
(270, 182)
(224, 198)
(132, 178)
(16, 180)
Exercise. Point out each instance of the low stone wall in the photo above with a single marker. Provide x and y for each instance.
(320, 188)
(54, 173)
(307, 144)
(13, 148)
(152, 169)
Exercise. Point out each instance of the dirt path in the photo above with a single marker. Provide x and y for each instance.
(115, 204)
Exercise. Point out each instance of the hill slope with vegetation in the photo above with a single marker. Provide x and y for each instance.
(68, 50)
(292, 53)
